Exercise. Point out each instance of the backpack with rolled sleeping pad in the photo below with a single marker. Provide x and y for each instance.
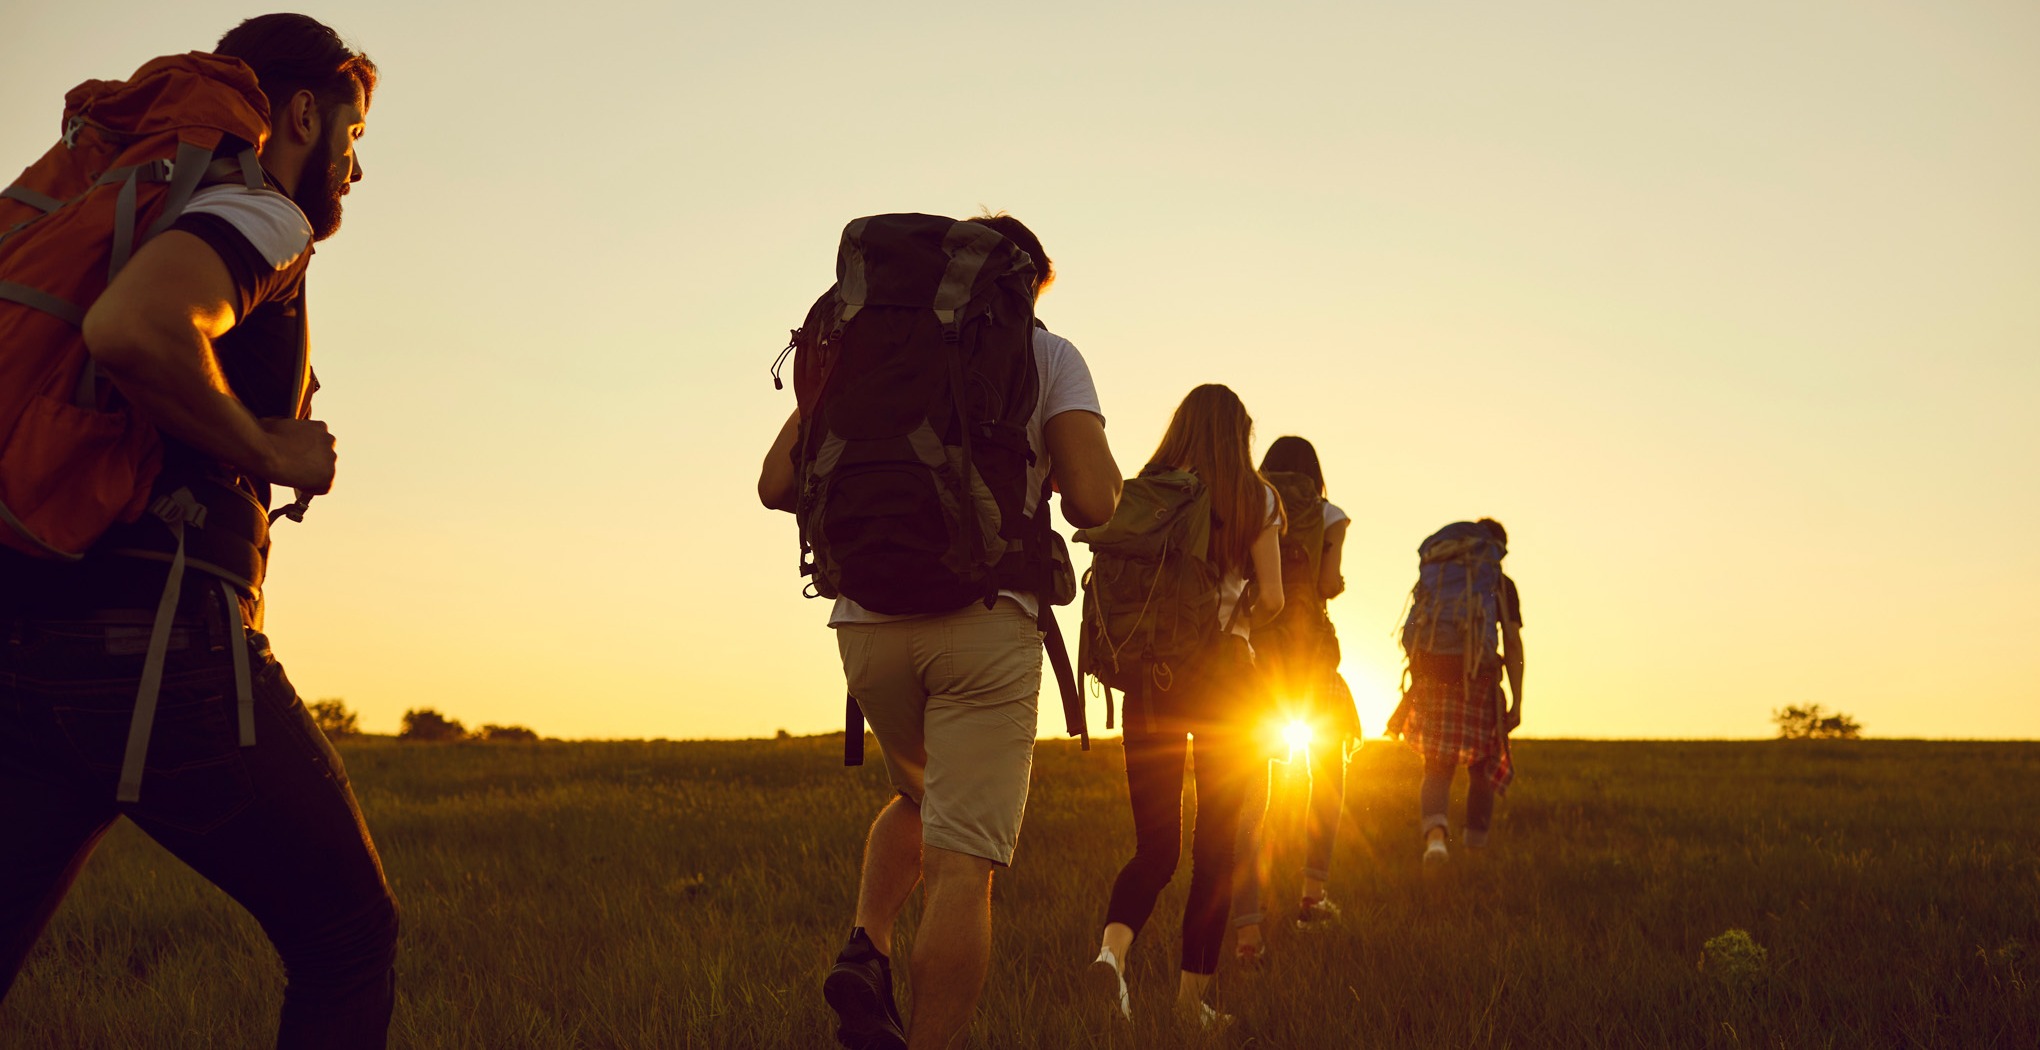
(1455, 606)
(916, 379)
(78, 465)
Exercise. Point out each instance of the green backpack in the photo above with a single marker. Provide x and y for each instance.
(1303, 543)
(1151, 595)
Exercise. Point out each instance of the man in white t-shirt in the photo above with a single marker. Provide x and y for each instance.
(953, 700)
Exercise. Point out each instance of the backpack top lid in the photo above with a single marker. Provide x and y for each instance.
(1302, 505)
(917, 260)
(1148, 505)
(1294, 483)
(176, 92)
(1460, 541)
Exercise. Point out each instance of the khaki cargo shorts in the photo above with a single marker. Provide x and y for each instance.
(953, 701)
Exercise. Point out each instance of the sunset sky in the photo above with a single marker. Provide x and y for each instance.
(1730, 311)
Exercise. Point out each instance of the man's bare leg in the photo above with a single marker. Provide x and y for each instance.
(952, 947)
(892, 867)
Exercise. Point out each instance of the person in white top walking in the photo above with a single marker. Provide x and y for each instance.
(1299, 654)
(953, 698)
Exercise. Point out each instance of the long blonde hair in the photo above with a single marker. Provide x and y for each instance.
(1212, 435)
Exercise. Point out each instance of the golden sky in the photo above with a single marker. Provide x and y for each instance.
(1728, 311)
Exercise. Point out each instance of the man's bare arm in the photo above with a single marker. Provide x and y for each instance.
(1082, 468)
(151, 333)
(776, 480)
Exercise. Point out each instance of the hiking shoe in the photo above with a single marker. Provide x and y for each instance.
(1250, 956)
(1203, 1016)
(1316, 914)
(859, 989)
(1109, 983)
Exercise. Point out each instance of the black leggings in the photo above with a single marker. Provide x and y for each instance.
(1154, 784)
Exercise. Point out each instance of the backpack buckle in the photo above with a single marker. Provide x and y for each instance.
(180, 507)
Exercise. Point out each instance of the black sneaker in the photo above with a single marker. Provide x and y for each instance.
(859, 989)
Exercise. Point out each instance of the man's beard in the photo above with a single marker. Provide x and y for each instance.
(319, 190)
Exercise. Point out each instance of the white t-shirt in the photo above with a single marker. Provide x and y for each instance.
(1065, 387)
(1333, 516)
(272, 222)
(1235, 582)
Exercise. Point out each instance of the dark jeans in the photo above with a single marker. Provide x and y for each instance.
(1436, 794)
(1155, 754)
(274, 825)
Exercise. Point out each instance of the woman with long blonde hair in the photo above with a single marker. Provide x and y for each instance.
(1210, 436)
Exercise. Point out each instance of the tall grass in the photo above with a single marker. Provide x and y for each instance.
(691, 895)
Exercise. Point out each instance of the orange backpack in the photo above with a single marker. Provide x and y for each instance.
(74, 457)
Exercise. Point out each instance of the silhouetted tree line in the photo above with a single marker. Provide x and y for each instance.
(424, 723)
(429, 725)
(1812, 722)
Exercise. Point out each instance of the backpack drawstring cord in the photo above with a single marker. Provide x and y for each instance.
(792, 340)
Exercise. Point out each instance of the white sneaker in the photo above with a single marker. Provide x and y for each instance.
(1203, 1016)
(1435, 853)
(1106, 976)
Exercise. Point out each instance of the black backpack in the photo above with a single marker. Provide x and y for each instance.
(916, 378)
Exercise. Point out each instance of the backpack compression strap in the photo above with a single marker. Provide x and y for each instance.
(193, 167)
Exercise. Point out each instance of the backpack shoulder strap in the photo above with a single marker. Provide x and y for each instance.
(853, 731)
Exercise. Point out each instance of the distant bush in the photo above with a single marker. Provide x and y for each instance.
(1812, 722)
(782, 735)
(333, 718)
(428, 725)
(496, 734)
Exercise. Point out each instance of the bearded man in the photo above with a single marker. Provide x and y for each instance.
(135, 681)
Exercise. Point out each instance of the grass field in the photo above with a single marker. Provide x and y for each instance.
(691, 894)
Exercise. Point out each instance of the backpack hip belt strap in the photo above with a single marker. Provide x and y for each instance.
(178, 511)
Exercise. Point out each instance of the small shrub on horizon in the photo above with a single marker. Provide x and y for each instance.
(1813, 722)
(333, 718)
(496, 734)
(430, 726)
